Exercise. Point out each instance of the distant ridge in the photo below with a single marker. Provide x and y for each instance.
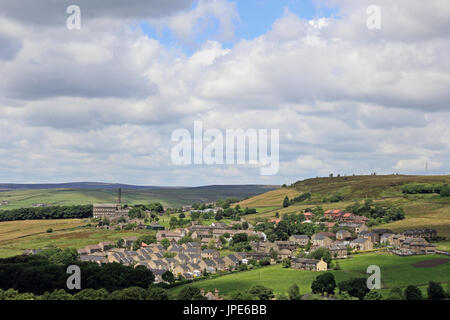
(71, 185)
(108, 186)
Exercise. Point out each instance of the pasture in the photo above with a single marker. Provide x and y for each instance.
(395, 272)
(17, 236)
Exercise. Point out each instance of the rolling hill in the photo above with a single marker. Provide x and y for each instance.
(22, 196)
(421, 210)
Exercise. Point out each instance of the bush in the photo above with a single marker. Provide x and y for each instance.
(294, 292)
(435, 291)
(132, 293)
(190, 293)
(356, 287)
(395, 294)
(286, 263)
(49, 230)
(324, 283)
(373, 295)
(261, 292)
(413, 293)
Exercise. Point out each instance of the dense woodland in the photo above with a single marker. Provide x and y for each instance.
(46, 272)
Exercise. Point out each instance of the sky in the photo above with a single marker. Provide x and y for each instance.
(101, 103)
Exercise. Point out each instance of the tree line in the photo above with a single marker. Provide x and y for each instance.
(53, 212)
(422, 188)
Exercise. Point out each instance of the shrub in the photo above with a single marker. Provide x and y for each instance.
(413, 293)
(435, 291)
(373, 295)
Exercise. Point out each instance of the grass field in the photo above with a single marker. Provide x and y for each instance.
(443, 245)
(395, 272)
(17, 236)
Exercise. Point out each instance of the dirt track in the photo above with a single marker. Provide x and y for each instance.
(430, 263)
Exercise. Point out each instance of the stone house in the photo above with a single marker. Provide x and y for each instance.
(210, 254)
(208, 265)
(418, 245)
(362, 244)
(231, 261)
(181, 269)
(182, 258)
(93, 248)
(309, 264)
(343, 235)
(319, 240)
(300, 240)
(129, 241)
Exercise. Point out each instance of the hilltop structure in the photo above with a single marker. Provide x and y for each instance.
(110, 210)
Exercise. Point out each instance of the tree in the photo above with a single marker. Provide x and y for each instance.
(219, 215)
(286, 202)
(165, 242)
(242, 296)
(373, 295)
(195, 215)
(173, 222)
(190, 293)
(91, 294)
(413, 293)
(64, 257)
(356, 287)
(435, 291)
(244, 225)
(59, 295)
(239, 237)
(168, 277)
(49, 230)
(324, 283)
(395, 294)
(120, 243)
(321, 253)
(181, 215)
(261, 292)
(131, 293)
(156, 293)
(212, 243)
(294, 292)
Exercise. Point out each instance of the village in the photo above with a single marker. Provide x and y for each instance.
(199, 250)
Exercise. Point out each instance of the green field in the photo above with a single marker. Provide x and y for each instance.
(395, 272)
(171, 197)
(17, 236)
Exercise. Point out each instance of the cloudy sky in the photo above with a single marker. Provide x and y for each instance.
(101, 103)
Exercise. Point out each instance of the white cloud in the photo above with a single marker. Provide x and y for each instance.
(101, 104)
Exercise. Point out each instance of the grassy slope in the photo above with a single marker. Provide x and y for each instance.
(167, 196)
(395, 272)
(17, 236)
(421, 210)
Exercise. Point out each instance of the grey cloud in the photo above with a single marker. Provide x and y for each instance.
(78, 81)
(53, 12)
(9, 47)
